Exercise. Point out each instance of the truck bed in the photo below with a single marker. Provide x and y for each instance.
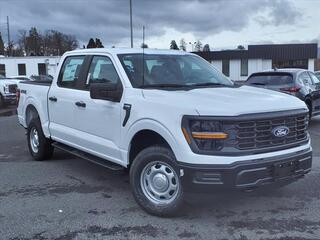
(34, 93)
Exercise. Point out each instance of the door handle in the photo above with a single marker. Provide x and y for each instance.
(80, 104)
(53, 99)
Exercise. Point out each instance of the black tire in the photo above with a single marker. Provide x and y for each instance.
(310, 109)
(45, 149)
(2, 104)
(150, 155)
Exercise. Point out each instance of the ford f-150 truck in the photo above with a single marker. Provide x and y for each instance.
(171, 118)
(7, 91)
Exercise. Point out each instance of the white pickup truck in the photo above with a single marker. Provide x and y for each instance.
(8, 89)
(171, 118)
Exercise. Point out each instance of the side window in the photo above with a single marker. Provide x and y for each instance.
(315, 80)
(102, 70)
(70, 71)
(305, 78)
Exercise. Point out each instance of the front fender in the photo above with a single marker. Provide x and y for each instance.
(148, 124)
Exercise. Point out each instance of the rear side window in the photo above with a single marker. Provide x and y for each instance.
(271, 79)
(70, 71)
(315, 80)
(305, 78)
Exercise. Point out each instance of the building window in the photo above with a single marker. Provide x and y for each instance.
(244, 67)
(42, 69)
(21, 69)
(226, 67)
(2, 70)
(299, 63)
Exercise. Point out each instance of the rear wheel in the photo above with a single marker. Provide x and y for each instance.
(40, 147)
(155, 181)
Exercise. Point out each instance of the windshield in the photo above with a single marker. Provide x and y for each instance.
(171, 71)
(272, 79)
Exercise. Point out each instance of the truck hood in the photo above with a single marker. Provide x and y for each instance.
(227, 101)
(8, 82)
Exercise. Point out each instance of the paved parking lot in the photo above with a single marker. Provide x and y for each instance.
(69, 198)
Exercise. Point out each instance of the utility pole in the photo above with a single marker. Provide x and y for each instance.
(131, 30)
(9, 41)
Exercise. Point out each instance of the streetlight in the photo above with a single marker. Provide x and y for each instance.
(192, 44)
(131, 31)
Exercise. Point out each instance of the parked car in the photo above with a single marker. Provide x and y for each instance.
(300, 83)
(171, 118)
(317, 74)
(20, 78)
(8, 88)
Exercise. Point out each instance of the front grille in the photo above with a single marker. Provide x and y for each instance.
(258, 134)
(13, 88)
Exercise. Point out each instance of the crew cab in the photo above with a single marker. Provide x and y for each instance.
(171, 118)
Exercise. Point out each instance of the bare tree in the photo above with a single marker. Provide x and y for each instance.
(198, 46)
(183, 45)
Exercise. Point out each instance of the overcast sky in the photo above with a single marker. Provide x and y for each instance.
(222, 24)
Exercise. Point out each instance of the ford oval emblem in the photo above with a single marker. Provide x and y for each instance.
(281, 131)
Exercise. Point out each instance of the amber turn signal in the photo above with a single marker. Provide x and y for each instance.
(209, 135)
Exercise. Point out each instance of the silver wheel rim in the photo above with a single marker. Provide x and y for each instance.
(159, 183)
(34, 140)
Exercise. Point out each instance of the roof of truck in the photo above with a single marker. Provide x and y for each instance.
(129, 51)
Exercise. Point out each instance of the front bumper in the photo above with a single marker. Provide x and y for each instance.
(9, 98)
(247, 175)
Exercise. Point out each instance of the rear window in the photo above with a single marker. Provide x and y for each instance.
(270, 79)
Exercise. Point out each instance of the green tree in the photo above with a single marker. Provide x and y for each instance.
(144, 45)
(91, 43)
(241, 47)
(99, 43)
(1, 45)
(173, 45)
(33, 42)
(206, 48)
(183, 45)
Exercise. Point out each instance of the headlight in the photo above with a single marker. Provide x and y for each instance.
(203, 134)
(6, 88)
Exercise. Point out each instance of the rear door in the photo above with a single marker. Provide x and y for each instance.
(62, 97)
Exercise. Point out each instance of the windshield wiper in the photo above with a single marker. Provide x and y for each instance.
(260, 84)
(206, 84)
(164, 85)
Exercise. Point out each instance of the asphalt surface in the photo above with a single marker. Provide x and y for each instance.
(68, 198)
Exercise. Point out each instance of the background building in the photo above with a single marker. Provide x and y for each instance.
(33, 65)
(239, 64)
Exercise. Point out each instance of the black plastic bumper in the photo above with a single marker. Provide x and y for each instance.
(10, 98)
(247, 175)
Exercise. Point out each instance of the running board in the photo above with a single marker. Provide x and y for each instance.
(88, 157)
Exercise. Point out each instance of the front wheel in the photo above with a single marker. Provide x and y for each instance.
(155, 181)
(40, 147)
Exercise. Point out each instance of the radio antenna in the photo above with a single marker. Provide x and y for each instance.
(143, 46)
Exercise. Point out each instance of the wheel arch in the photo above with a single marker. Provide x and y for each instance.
(146, 133)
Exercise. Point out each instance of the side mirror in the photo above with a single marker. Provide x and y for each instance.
(106, 91)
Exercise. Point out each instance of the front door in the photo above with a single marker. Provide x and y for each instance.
(99, 120)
